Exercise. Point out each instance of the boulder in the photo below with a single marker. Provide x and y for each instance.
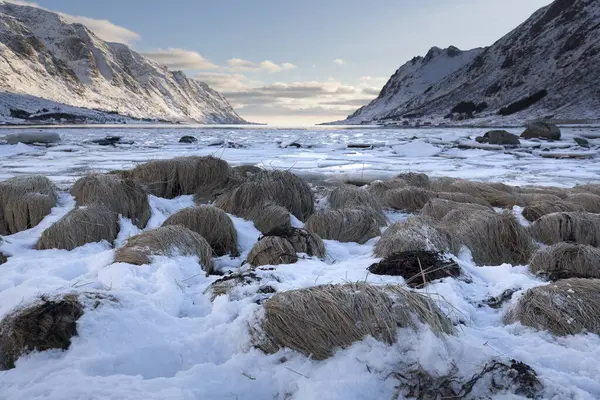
(582, 142)
(501, 138)
(543, 130)
(188, 139)
(44, 137)
(107, 141)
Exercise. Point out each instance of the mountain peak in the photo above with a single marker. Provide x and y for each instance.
(69, 64)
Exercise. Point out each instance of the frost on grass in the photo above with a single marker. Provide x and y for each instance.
(317, 321)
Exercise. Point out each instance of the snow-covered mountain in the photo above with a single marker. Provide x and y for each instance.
(546, 66)
(414, 78)
(43, 56)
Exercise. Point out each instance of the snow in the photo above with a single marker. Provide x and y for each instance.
(164, 339)
(417, 148)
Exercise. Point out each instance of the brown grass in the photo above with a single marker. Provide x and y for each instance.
(352, 197)
(344, 225)
(462, 198)
(566, 260)
(576, 227)
(554, 191)
(565, 307)
(121, 195)
(541, 208)
(317, 321)
(409, 199)
(270, 218)
(380, 188)
(165, 241)
(495, 193)
(270, 187)
(589, 188)
(530, 198)
(81, 226)
(437, 208)
(44, 325)
(272, 250)
(589, 201)
(417, 233)
(182, 175)
(3, 258)
(415, 179)
(25, 202)
(303, 241)
(213, 224)
(492, 238)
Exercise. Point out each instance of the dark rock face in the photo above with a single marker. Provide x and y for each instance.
(502, 138)
(107, 141)
(188, 139)
(542, 130)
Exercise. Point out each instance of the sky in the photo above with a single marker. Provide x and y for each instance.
(292, 62)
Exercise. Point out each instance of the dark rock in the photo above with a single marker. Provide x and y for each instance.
(502, 138)
(228, 144)
(365, 146)
(416, 267)
(107, 141)
(3, 259)
(481, 139)
(543, 130)
(188, 139)
(582, 142)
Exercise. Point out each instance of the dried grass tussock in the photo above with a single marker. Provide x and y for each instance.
(213, 224)
(317, 321)
(348, 196)
(47, 324)
(415, 179)
(417, 233)
(493, 238)
(165, 241)
(541, 208)
(181, 175)
(344, 225)
(437, 208)
(554, 191)
(81, 226)
(380, 188)
(408, 199)
(565, 307)
(566, 260)
(588, 201)
(270, 218)
(272, 250)
(593, 188)
(303, 241)
(121, 195)
(25, 201)
(530, 198)
(270, 187)
(496, 194)
(575, 227)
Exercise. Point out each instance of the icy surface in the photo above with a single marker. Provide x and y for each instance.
(165, 339)
(324, 153)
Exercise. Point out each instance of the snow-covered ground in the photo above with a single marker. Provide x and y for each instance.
(165, 339)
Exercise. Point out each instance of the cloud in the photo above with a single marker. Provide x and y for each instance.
(241, 65)
(371, 91)
(339, 61)
(102, 28)
(180, 59)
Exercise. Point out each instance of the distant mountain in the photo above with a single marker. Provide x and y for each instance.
(42, 56)
(549, 65)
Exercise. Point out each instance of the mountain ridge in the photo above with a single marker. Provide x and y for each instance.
(44, 56)
(545, 66)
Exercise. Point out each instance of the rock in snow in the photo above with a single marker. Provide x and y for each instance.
(68, 64)
(32, 137)
(547, 65)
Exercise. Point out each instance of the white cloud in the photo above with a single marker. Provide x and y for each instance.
(180, 59)
(102, 28)
(241, 65)
(339, 61)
